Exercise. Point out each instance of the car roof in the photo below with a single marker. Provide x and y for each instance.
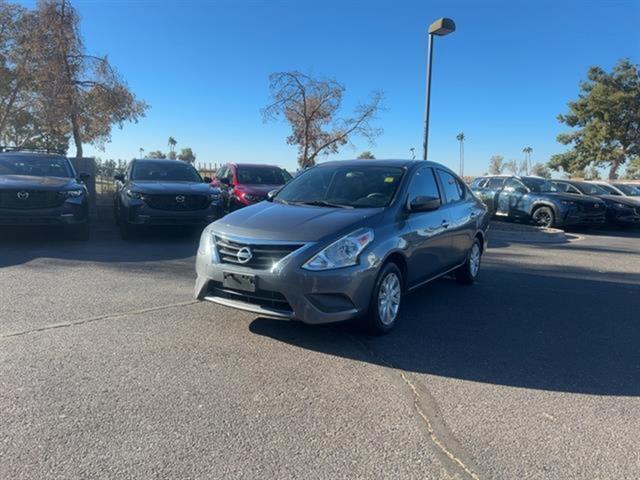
(258, 165)
(570, 182)
(28, 154)
(382, 162)
(151, 160)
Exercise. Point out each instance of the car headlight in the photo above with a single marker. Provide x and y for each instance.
(73, 193)
(134, 195)
(251, 198)
(206, 247)
(341, 253)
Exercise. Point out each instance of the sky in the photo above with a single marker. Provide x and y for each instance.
(502, 77)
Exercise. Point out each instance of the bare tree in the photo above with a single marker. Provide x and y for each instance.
(84, 90)
(310, 106)
(496, 165)
(511, 166)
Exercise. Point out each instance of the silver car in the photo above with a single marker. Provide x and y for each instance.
(344, 240)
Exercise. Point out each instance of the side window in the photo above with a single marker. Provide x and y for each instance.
(453, 190)
(424, 184)
(496, 183)
(572, 189)
(514, 185)
(479, 183)
(221, 172)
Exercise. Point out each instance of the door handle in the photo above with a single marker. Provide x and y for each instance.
(445, 224)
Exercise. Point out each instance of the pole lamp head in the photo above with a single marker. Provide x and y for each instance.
(442, 27)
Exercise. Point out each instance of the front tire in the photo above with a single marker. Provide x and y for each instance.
(468, 273)
(543, 217)
(384, 307)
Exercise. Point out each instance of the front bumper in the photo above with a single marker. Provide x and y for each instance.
(69, 213)
(626, 216)
(141, 214)
(576, 217)
(289, 292)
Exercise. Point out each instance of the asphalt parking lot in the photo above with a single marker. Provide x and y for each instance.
(108, 369)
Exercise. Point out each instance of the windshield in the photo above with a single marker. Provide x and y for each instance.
(262, 176)
(35, 166)
(165, 171)
(630, 190)
(591, 189)
(344, 186)
(539, 185)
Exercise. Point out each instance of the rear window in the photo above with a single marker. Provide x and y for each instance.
(262, 176)
(36, 166)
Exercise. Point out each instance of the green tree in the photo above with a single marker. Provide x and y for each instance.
(633, 169)
(156, 154)
(366, 155)
(527, 157)
(605, 120)
(187, 155)
(496, 165)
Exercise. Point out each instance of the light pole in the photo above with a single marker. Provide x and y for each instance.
(461, 138)
(439, 28)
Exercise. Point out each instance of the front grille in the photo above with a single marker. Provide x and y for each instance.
(267, 299)
(177, 202)
(30, 199)
(263, 256)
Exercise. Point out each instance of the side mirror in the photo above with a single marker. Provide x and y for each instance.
(206, 179)
(424, 204)
(84, 176)
(119, 177)
(272, 194)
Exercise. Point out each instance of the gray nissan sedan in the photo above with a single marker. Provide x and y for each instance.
(344, 240)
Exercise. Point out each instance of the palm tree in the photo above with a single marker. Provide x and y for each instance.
(527, 157)
(460, 137)
(172, 145)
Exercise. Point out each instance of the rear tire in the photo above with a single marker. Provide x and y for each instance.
(468, 273)
(384, 306)
(543, 217)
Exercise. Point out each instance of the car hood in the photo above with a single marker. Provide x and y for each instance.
(292, 223)
(28, 182)
(169, 188)
(632, 202)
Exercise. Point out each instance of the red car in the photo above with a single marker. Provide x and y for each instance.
(244, 184)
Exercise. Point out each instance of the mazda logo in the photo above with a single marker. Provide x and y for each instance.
(180, 198)
(597, 205)
(244, 255)
(23, 195)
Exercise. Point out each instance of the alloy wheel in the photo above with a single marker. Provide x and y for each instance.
(389, 298)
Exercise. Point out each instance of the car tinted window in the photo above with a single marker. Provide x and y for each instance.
(165, 171)
(35, 166)
(423, 184)
(479, 183)
(513, 184)
(453, 190)
(365, 186)
(496, 183)
(262, 175)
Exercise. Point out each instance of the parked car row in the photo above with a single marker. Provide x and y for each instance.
(558, 203)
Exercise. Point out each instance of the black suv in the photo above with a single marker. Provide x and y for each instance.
(621, 210)
(42, 189)
(164, 192)
(538, 200)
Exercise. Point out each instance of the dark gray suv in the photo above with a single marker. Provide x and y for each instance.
(344, 240)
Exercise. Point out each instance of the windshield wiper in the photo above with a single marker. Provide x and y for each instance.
(323, 203)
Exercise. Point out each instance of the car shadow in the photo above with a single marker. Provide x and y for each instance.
(576, 331)
(21, 245)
